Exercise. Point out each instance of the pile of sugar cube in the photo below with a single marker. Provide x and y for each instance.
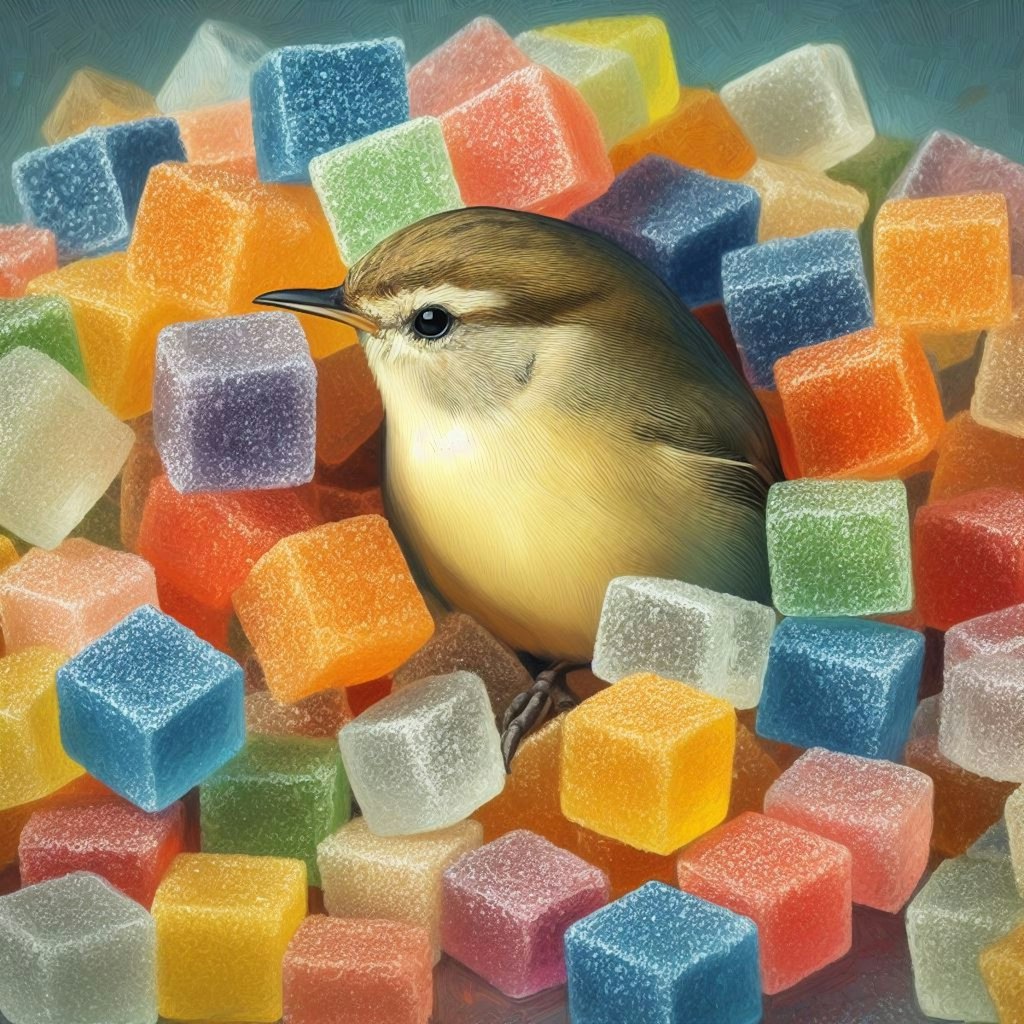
(248, 770)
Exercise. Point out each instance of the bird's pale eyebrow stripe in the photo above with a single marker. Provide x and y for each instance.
(461, 301)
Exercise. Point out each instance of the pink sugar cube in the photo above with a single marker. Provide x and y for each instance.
(25, 253)
(506, 905)
(110, 837)
(880, 811)
(70, 596)
(795, 886)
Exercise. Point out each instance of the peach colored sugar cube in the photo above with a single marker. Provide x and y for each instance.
(348, 405)
(972, 457)
(942, 264)
(25, 253)
(332, 606)
(220, 135)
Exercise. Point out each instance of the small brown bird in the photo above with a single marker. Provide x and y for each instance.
(555, 418)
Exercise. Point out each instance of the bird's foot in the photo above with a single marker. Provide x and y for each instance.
(526, 710)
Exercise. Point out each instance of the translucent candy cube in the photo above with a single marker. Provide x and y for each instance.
(839, 547)
(45, 323)
(278, 797)
(753, 772)
(150, 709)
(791, 292)
(714, 642)
(220, 136)
(1002, 968)
(25, 252)
(882, 813)
(110, 837)
(968, 288)
(66, 598)
(879, 667)
(75, 949)
(505, 908)
(307, 100)
(805, 107)
(425, 757)
(982, 527)
(963, 907)
(865, 405)
(34, 762)
(678, 222)
(973, 457)
(648, 762)
(223, 924)
(215, 67)
(1014, 821)
(86, 189)
(997, 401)
(381, 972)
(234, 403)
(318, 717)
(93, 98)
(993, 844)
(332, 606)
(795, 886)
(393, 877)
(662, 955)
(379, 183)
(530, 142)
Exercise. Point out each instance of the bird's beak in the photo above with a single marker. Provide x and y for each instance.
(325, 302)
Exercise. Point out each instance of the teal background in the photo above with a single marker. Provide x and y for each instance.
(957, 64)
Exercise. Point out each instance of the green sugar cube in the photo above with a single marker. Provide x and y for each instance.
(372, 187)
(45, 323)
(278, 797)
(839, 547)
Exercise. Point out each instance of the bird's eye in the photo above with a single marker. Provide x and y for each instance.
(432, 322)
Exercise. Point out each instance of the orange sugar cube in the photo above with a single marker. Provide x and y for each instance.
(973, 457)
(626, 867)
(348, 405)
(771, 405)
(942, 264)
(220, 136)
(753, 771)
(865, 405)
(332, 606)
(700, 132)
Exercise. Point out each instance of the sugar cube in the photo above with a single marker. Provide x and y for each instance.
(996, 402)
(220, 136)
(753, 772)
(1002, 968)
(45, 323)
(92, 98)
(348, 405)
(318, 717)
(626, 867)
(993, 844)
(973, 457)
(25, 252)
(1014, 820)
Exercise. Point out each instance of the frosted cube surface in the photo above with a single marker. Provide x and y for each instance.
(1000, 632)
(1013, 824)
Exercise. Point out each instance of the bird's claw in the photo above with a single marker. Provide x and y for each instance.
(527, 708)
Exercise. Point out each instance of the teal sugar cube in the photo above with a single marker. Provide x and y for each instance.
(45, 323)
(839, 547)
(278, 797)
(372, 187)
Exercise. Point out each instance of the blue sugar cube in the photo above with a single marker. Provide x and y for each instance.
(308, 100)
(150, 709)
(846, 684)
(791, 292)
(661, 956)
(86, 189)
(677, 221)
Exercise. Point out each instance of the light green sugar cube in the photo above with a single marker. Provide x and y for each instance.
(45, 323)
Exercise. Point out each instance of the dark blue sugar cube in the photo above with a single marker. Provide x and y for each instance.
(677, 221)
(134, 148)
(307, 100)
(849, 685)
(791, 292)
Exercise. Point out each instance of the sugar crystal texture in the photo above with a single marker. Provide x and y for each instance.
(973, 457)
(678, 222)
(472, 60)
(278, 797)
(348, 405)
(880, 811)
(307, 100)
(318, 717)
(804, 107)
(381, 972)
(999, 385)
(379, 183)
(661, 956)
(714, 642)
(93, 98)
(61, 448)
(839, 547)
(1014, 819)
(75, 950)
(397, 878)
(505, 908)
(223, 923)
(45, 323)
(963, 907)
(234, 403)
(846, 684)
(110, 837)
(648, 762)
(607, 78)
(791, 292)
(424, 757)
(1002, 967)
(34, 762)
(794, 885)
(25, 252)
(220, 136)
(530, 142)
(66, 598)
(332, 606)
(215, 67)
(150, 709)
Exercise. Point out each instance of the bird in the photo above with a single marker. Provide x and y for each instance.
(555, 417)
